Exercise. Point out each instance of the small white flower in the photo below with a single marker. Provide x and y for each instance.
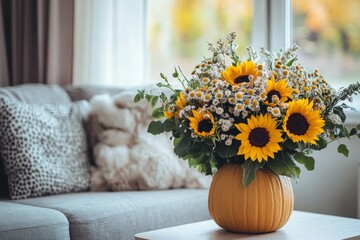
(222, 136)
(215, 101)
(219, 111)
(192, 95)
(245, 113)
(224, 128)
(187, 108)
(276, 112)
(228, 142)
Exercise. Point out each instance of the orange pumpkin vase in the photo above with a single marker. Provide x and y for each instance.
(263, 206)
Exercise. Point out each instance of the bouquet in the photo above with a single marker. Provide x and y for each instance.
(263, 112)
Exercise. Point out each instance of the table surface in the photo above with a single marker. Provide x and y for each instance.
(301, 225)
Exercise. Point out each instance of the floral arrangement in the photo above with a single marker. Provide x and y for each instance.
(263, 112)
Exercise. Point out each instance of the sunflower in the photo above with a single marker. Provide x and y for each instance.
(168, 114)
(279, 89)
(240, 73)
(259, 138)
(302, 123)
(202, 123)
(180, 103)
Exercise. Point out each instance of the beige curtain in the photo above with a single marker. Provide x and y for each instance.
(36, 41)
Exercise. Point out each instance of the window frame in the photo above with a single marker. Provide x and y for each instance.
(272, 27)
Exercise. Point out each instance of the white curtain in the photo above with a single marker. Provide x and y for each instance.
(110, 42)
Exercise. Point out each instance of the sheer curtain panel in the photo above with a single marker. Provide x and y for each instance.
(110, 42)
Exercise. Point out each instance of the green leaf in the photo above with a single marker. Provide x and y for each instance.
(290, 144)
(181, 146)
(163, 97)
(290, 63)
(169, 125)
(358, 127)
(225, 151)
(158, 112)
(343, 149)
(347, 106)
(139, 96)
(175, 74)
(284, 164)
(300, 146)
(154, 100)
(155, 127)
(320, 144)
(307, 161)
(353, 131)
(250, 168)
(148, 97)
(339, 111)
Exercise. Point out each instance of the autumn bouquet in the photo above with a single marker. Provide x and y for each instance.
(263, 112)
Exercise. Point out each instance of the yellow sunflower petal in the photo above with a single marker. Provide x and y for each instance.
(301, 123)
(261, 140)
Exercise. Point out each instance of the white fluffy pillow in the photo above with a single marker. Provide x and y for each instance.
(129, 158)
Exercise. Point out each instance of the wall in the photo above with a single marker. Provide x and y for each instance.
(332, 187)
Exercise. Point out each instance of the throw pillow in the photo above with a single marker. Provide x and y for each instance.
(44, 148)
(127, 157)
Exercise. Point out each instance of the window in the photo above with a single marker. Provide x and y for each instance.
(178, 31)
(328, 32)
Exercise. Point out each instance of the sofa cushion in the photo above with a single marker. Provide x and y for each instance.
(20, 221)
(77, 93)
(30, 93)
(119, 215)
(36, 93)
(44, 148)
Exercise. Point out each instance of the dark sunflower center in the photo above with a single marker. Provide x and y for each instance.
(272, 93)
(297, 124)
(259, 137)
(241, 79)
(205, 125)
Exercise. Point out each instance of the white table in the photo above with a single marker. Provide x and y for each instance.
(301, 225)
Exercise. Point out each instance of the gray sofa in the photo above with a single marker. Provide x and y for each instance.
(91, 215)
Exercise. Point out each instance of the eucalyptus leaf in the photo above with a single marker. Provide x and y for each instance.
(340, 112)
(148, 97)
(347, 106)
(290, 63)
(343, 149)
(137, 98)
(154, 100)
(353, 131)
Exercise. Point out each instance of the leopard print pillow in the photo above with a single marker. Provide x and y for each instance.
(44, 148)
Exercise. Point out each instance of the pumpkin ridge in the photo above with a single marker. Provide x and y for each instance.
(212, 195)
(245, 204)
(272, 194)
(281, 198)
(257, 201)
(234, 200)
